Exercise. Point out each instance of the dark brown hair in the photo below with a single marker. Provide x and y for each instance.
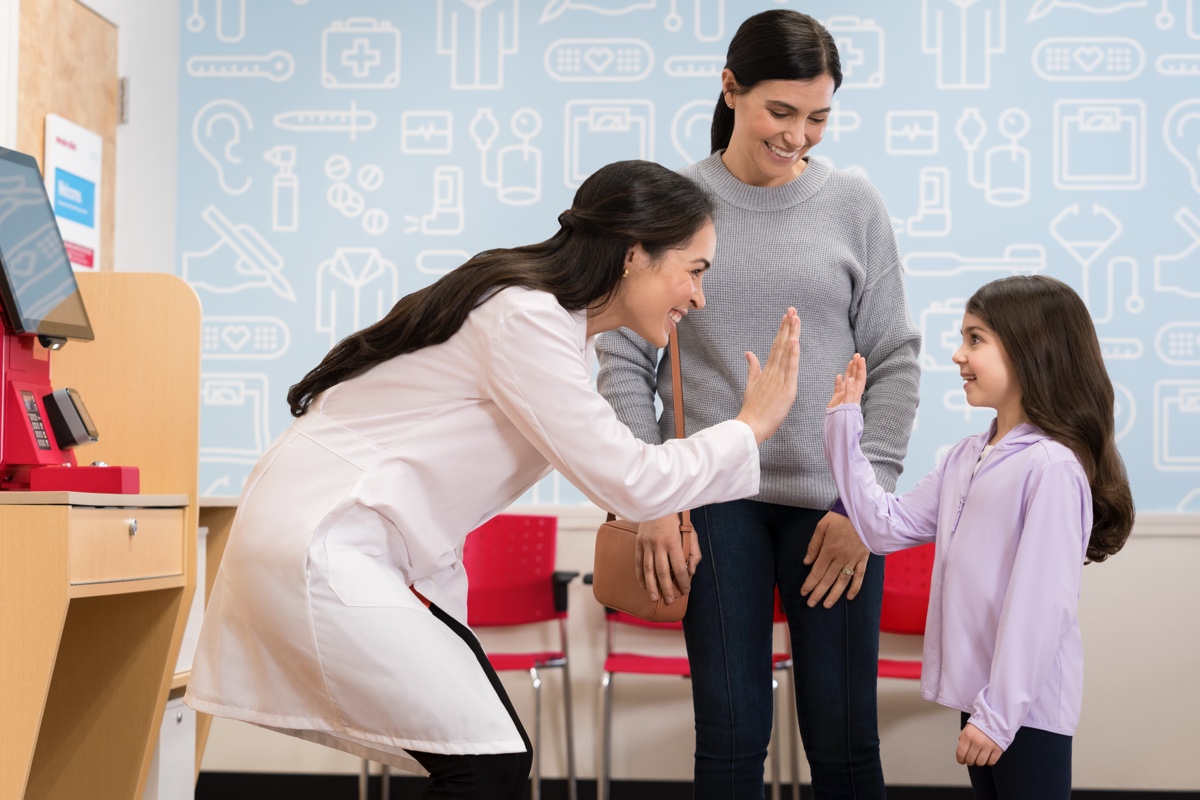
(775, 45)
(622, 204)
(1048, 334)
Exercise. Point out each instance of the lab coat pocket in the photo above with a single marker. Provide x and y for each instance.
(361, 571)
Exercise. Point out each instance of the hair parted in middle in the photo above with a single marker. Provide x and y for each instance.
(775, 45)
(1047, 332)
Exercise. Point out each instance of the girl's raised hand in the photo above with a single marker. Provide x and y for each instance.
(848, 388)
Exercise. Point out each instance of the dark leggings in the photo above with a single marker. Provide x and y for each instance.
(487, 777)
(1036, 766)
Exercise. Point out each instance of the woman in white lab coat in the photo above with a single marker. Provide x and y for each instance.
(338, 614)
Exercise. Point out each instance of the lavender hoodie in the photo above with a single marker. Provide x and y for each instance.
(1002, 636)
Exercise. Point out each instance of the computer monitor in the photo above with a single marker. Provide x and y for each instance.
(37, 286)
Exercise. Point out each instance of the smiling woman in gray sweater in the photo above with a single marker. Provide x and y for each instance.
(790, 231)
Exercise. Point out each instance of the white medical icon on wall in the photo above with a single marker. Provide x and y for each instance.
(477, 37)
(1178, 344)
(911, 133)
(601, 131)
(217, 131)
(1041, 8)
(1099, 144)
(231, 20)
(234, 409)
(1086, 237)
(941, 334)
(285, 189)
(517, 167)
(694, 66)
(1179, 273)
(842, 121)
(1181, 129)
(956, 400)
(446, 217)
(1177, 425)
(933, 205)
(356, 287)
(1006, 172)
(244, 338)
(598, 60)
(1017, 259)
(609, 8)
(276, 66)
(434, 261)
(1124, 411)
(1088, 58)
(360, 53)
(426, 133)
(963, 38)
(240, 260)
(328, 120)
(708, 19)
(860, 45)
(690, 130)
(348, 199)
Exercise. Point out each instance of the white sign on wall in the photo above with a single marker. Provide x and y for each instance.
(72, 169)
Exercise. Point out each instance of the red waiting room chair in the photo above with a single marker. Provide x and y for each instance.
(906, 577)
(511, 581)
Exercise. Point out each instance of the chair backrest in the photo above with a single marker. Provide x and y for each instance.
(510, 567)
(906, 577)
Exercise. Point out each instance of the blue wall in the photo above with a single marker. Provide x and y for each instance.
(335, 156)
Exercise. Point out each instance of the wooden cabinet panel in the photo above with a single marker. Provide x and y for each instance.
(121, 544)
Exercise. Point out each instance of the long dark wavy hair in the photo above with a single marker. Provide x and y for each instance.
(1048, 334)
(621, 204)
(775, 45)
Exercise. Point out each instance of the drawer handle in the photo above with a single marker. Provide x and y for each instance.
(133, 527)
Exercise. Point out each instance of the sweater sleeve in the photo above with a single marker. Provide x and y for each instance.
(538, 379)
(886, 337)
(885, 522)
(1041, 601)
(628, 380)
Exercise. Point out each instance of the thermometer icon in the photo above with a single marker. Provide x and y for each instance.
(274, 66)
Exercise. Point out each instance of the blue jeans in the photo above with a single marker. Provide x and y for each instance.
(747, 548)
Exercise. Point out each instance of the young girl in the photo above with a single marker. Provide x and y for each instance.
(1015, 512)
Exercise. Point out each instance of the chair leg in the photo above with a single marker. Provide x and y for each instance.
(536, 792)
(605, 772)
(572, 781)
(385, 780)
(364, 776)
(795, 733)
(776, 733)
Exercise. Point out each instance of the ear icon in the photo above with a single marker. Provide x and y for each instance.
(1181, 129)
(217, 132)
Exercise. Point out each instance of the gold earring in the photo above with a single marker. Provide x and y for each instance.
(625, 274)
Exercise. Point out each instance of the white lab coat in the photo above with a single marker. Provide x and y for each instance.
(312, 628)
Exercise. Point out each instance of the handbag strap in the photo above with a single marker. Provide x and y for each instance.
(685, 524)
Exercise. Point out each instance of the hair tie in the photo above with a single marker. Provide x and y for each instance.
(567, 220)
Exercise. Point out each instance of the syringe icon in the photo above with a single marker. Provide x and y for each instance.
(275, 66)
(351, 120)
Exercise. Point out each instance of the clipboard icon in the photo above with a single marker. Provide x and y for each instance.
(602, 131)
(1099, 144)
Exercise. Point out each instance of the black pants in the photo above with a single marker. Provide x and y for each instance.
(1036, 766)
(486, 777)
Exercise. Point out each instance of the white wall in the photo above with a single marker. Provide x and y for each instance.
(1142, 650)
(10, 30)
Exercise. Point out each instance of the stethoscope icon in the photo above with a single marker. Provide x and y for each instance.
(1164, 19)
(1086, 252)
(195, 21)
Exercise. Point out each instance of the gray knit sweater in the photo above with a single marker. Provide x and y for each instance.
(824, 244)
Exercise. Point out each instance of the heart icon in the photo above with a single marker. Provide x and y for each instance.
(598, 58)
(235, 336)
(1088, 57)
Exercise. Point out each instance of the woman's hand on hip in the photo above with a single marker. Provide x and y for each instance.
(771, 390)
(848, 388)
(839, 561)
(663, 569)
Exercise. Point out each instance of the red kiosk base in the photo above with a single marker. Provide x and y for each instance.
(30, 458)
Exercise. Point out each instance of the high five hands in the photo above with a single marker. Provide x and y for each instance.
(848, 388)
(771, 390)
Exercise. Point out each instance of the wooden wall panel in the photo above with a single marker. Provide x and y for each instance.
(68, 66)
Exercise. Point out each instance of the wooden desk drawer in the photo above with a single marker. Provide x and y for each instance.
(101, 548)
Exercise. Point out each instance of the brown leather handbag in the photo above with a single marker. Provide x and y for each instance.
(614, 574)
